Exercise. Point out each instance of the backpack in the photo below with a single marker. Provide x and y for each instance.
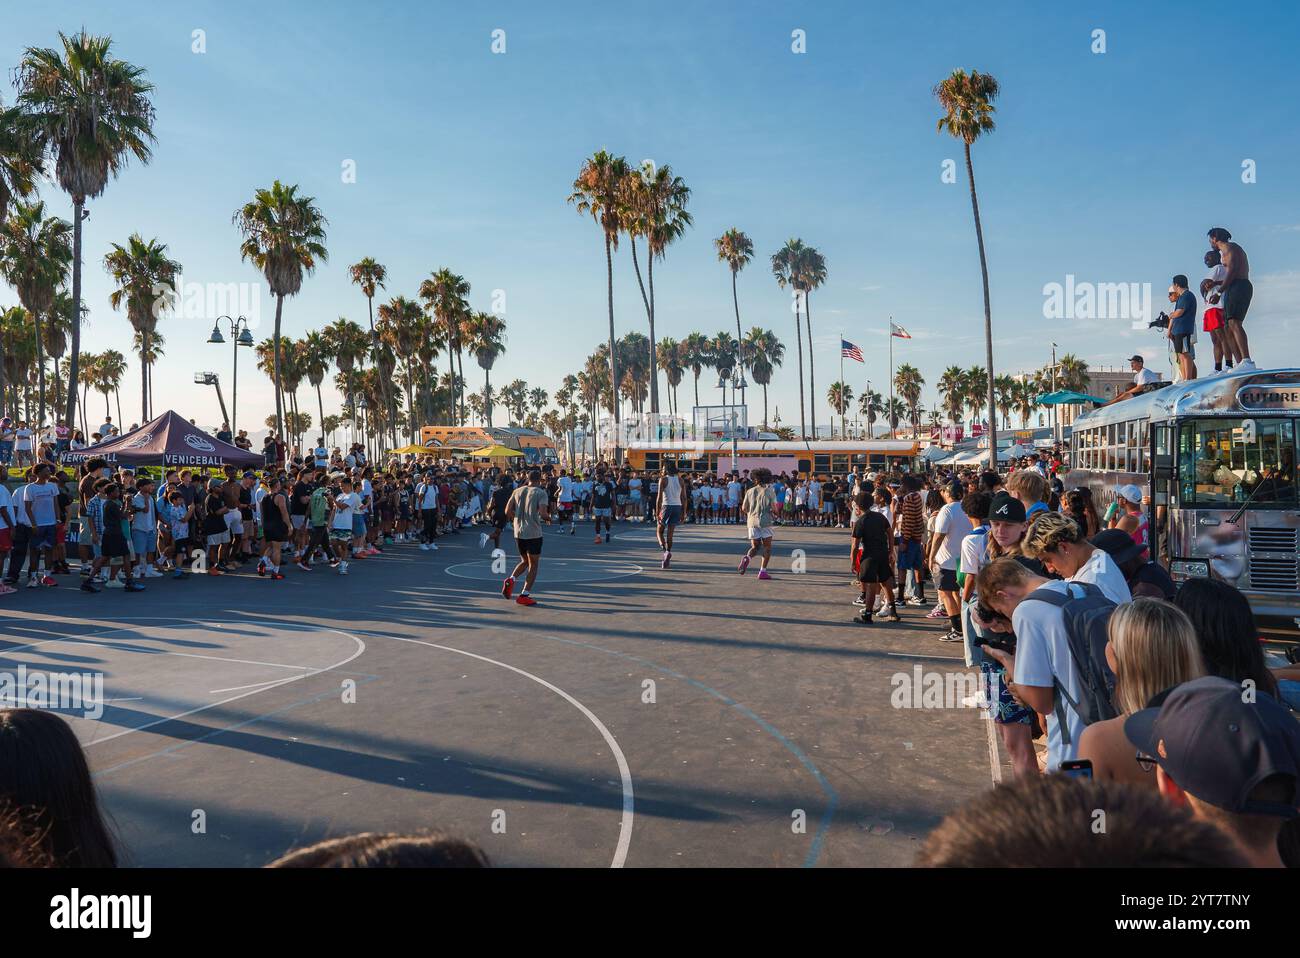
(1086, 612)
(319, 507)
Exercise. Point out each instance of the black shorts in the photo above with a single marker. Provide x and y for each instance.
(875, 569)
(1236, 300)
(947, 580)
(529, 547)
(1182, 343)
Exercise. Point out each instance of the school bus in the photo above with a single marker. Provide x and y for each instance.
(818, 456)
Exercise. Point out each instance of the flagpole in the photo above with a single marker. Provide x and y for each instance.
(842, 429)
(889, 412)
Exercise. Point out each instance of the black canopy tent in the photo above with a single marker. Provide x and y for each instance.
(168, 440)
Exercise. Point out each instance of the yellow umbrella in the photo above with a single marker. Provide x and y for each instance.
(411, 450)
(496, 452)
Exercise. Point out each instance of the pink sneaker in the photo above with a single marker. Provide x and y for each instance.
(744, 564)
(762, 574)
(938, 612)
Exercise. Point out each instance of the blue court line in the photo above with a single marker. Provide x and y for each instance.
(832, 799)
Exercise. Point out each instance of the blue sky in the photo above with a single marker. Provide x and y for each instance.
(1106, 166)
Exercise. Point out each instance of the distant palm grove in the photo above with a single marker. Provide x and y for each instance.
(81, 115)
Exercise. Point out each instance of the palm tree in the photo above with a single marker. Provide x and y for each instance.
(695, 356)
(1004, 387)
(839, 396)
(399, 329)
(1025, 399)
(872, 407)
(766, 352)
(736, 250)
(444, 294)
(977, 390)
(93, 113)
(110, 370)
(284, 237)
(35, 252)
(316, 359)
(722, 351)
(967, 101)
(485, 336)
(787, 267)
(654, 206)
(812, 270)
(22, 158)
(952, 387)
(146, 283)
(54, 340)
(598, 191)
(370, 276)
(670, 364)
(896, 410)
(908, 382)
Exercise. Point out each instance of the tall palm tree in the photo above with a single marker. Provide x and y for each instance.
(766, 352)
(967, 102)
(977, 390)
(896, 410)
(35, 253)
(316, 359)
(111, 369)
(400, 327)
(55, 333)
(813, 271)
(445, 295)
(952, 387)
(736, 250)
(370, 276)
(908, 382)
(146, 284)
(1004, 386)
(284, 237)
(787, 267)
(722, 350)
(93, 112)
(598, 191)
(1025, 400)
(485, 337)
(839, 396)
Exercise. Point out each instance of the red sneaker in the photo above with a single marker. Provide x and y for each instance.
(508, 588)
(277, 575)
(526, 600)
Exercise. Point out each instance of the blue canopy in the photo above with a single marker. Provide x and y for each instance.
(1067, 398)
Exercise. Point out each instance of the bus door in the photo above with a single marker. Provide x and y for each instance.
(1163, 486)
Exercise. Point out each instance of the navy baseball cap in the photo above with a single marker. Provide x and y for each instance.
(1006, 508)
(1219, 747)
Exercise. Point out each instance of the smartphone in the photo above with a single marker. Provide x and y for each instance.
(1079, 768)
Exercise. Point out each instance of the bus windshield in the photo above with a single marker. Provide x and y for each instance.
(1222, 461)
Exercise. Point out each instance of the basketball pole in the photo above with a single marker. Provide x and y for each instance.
(889, 413)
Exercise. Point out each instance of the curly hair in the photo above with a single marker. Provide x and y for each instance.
(1049, 532)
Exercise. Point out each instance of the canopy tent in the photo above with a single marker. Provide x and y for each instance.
(1017, 451)
(167, 440)
(497, 451)
(412, 450)
(935, 453)
(1065, 397)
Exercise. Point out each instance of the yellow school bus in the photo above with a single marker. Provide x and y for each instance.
(817, 456)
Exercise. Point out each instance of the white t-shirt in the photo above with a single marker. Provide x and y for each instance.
(1217, 274)
(322, 457)
(43, 499)
(145, 519)
(1145, 377)
(566, 489)
(107, 430)
(952, 522)
(428, 493)
(733, 493)
(814, 494)
(345, 503)
(19, 506)
(366, 497)
(6, 501)
(24, 443)
(1101, 571)
(634, 488)
(974, 548)
(672, 490)
(1043, 654)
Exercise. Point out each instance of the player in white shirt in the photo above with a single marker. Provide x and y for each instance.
(565, 500)
(951, 526)
(1212, 312)
(347, 504)
(733, 499)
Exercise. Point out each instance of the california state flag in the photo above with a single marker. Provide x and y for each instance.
(899, 331)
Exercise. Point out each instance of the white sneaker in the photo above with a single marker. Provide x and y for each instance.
(424, 547)
(114, 584)
(482, 540)
(343, 568)
(1246, 366)
(151, 573)
(433, 547)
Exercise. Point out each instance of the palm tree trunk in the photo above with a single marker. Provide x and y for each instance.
(460, 383)
(275, 359)
(117, 398)
(812, 385)
(613, 374)
(988, 312)
(697, 386)
(798, 336)
(487, 394)
(765, 407)
(144, 376)
(75, 368)
(654, 348)
(40, 369)
(740, 352)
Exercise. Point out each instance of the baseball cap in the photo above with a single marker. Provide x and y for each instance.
(1218, 747)
(1117, 544)
(1173, 289)
(1006, 508)
(1130, 493)
(1135, 358)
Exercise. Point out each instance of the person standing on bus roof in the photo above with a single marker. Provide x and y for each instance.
(1236, 296)
(1181, 325)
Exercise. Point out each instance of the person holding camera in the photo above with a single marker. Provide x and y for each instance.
(1181, 325)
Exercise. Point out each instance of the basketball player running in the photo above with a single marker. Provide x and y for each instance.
(668, 509)
(528, 508)
(760, 502)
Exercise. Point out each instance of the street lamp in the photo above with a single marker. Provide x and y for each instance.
(239, 332)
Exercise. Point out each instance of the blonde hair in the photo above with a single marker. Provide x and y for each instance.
(1027, 484)
(1049, 532)
(999, 574)
(1155, 649)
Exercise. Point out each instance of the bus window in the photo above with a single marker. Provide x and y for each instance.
(839, 464)
(652, 461)
(805, 465)
(1217, 466)
(822, 462)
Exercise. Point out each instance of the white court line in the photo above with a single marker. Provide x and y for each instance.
(361, 647)
(625, 773)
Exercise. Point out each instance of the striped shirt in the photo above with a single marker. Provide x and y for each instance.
(911, 517)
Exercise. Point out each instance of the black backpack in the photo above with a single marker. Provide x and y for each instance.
(1087, 612)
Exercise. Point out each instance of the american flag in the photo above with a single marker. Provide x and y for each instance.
(899, 331)
(849, 351)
